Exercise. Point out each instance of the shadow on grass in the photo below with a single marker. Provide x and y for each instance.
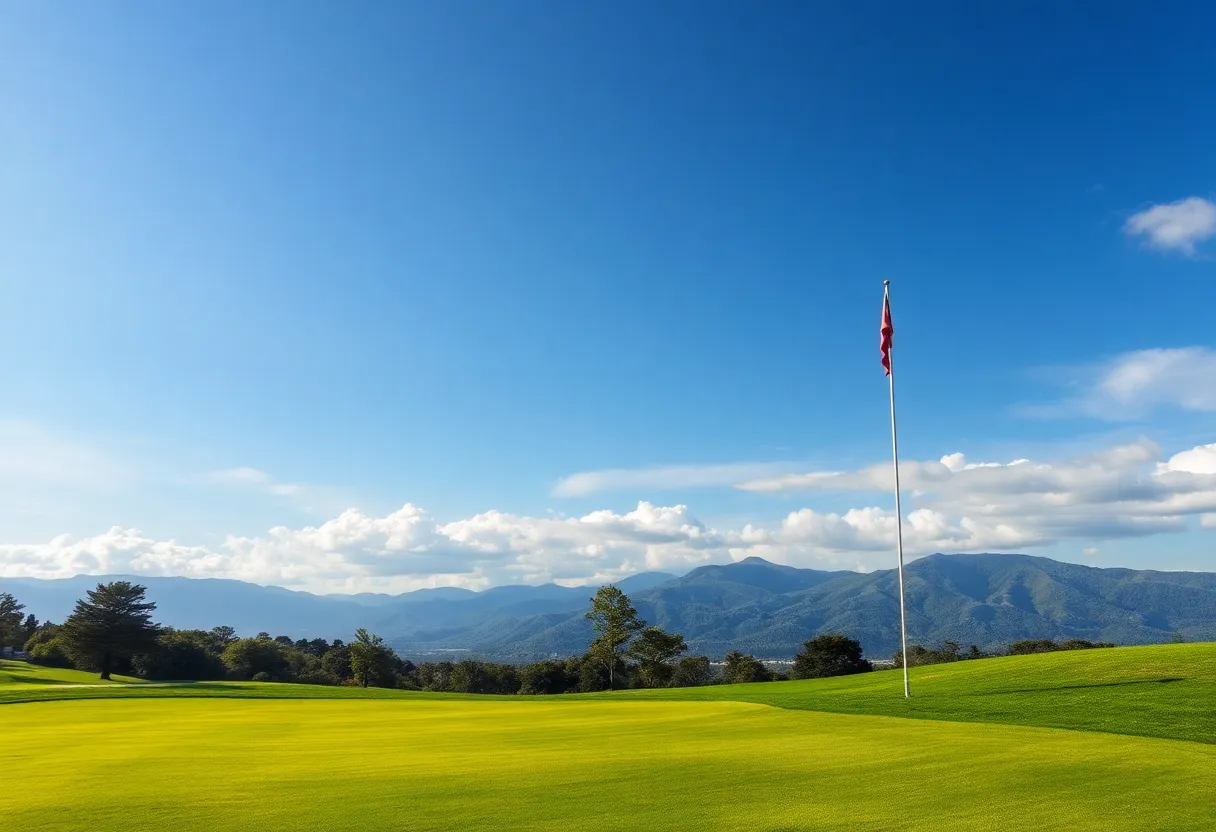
(42, 680)
(1137, 682)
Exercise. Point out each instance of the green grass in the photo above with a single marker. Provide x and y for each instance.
(21, 676)
(207, 764)
(764, 758)
(1164, 690)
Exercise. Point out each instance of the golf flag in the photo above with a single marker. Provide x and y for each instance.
(885, 334)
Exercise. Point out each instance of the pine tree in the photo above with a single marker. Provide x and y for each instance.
(114, 623)
(616, 621)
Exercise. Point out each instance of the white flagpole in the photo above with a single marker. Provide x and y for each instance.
(899, 522)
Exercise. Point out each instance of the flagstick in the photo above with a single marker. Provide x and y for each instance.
(899, 523)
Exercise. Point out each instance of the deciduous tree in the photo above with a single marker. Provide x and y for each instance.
(371, 660)
(692, 671)
(655, 650)
(739, 667)
(830, 654)
(247, 657)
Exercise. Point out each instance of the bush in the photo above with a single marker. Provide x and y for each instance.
(1026, 647)
(48, 654)
(319, 677)
(1046, 645)
(262, 676)
(950, 651)
(1082, 644)
(692, 671)
(546, 677)
(179, 655)
(248, 658)
(830, 654)
(739, 667)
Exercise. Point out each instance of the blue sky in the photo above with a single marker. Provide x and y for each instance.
(265, 263)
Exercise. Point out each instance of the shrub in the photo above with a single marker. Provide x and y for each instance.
(830, 654)
(318, 677)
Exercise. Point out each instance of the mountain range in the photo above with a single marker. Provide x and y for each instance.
(752, 605)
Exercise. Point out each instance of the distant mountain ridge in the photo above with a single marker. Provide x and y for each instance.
(752, 605)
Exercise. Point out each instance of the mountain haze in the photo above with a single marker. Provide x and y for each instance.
(753, 605)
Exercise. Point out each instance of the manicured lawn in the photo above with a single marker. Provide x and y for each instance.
(822, 755)
(213, 764)
(21, 676)
(1164, 690)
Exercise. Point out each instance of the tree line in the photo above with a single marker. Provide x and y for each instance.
(111, 631)
(952, 651)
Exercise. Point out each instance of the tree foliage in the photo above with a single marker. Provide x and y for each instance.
(371, 661)
(655, 650)
(44, 647)
(12, 631)
(484, 677)
(180, 654)
(612, 616)
(739, 667)
(248, 657)
(830, 654)
(1046, 645)
(548, 677)
(692, 671)
(114, 623)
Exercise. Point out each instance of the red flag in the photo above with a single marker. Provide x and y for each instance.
(885, 334)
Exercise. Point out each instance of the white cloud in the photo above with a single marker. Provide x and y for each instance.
(1123, 491)
(403, 550)
(1130, 385)
(313, 498)
(237, 477)
(1176, 226)
(961, 506)
(666, 477)
(1090, 551)
(1198, 460)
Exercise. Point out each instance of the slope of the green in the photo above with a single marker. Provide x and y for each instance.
(217, 765)
(1164, 691)
(21, 676)
(1159, 691)
(23, 682)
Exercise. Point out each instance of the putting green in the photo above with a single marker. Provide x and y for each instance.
(433, 764)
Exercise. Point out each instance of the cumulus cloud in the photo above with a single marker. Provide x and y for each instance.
(666, 477)
(1123, 491)
(405, 549)
(1176, 226)
(960, 505)
(1131, 384)
(1198, 460)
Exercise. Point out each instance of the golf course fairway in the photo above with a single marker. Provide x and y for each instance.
(235, 758)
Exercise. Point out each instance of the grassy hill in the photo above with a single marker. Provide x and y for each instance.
(1166, 690)
(822, 754)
